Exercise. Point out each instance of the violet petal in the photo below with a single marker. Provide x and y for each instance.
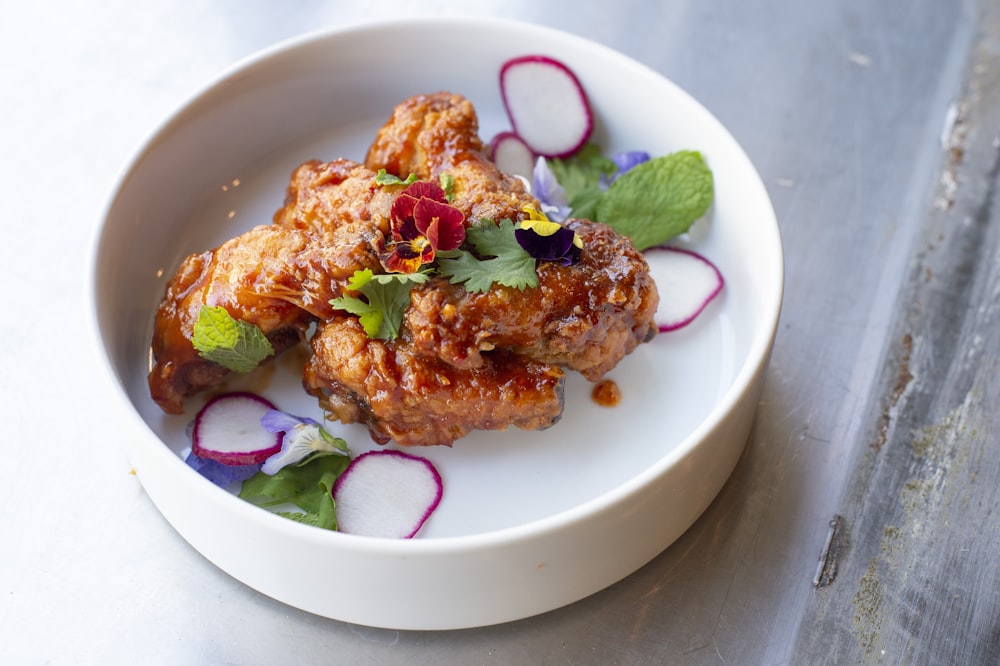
(219, 474)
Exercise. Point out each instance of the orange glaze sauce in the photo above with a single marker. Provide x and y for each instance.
(606, 393)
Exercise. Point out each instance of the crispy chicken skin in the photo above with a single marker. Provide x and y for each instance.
(324, 198)
(419, 400)
(430, 135)
(586, 317)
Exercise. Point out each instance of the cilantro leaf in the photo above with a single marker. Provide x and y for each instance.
(232, 343)
(505, 262)
(388, 296)
(659, 199)
(385, 178)
(308, 487)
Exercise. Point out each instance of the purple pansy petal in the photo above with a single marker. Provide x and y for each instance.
(554, 247)
(219, 474)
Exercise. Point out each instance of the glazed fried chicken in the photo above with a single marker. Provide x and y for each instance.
(586, 317)
(279, 279)
(419, 400)
(463, 361)
(430, 135)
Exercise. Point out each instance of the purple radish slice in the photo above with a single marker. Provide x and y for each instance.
(386, 494)
(687, 283)
(546, 105)
(228, 430)
(512, 155)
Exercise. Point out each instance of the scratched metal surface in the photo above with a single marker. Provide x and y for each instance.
(874, 126)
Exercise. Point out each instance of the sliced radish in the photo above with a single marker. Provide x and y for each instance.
(512, 155)
(386, 494)
(228, 430)
(686, 281)
(546, 105)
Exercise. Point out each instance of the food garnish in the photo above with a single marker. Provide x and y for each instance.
(308, 487)
(512, 155)
(387, 494)
(281, 459)
(548, 240)
(303, 439)
(688, 284)
(227, 430)
(546, 104)
(232, 343)
(498, 258)
(387, 295)
(385, 178)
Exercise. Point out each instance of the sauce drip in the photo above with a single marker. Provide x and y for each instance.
(606, 393)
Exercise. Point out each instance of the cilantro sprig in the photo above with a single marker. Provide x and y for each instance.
(387, 295)
(498, 258)
(232, 343)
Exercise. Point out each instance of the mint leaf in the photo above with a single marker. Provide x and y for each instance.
(504, 260)
(308, 487)
(659, 199)
(387, 297)
(232, 343)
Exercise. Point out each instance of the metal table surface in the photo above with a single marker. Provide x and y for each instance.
(859, 524)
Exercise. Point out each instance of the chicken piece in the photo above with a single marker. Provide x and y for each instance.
(278, 279)
(431, 135)
(419, 400)
(586, 317)
(323, 198)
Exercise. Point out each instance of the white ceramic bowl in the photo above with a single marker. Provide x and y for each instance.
(529, 521)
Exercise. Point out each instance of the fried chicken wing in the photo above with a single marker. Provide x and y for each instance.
(430, 135)
(586, 317)
(420, 401)
(278, 279)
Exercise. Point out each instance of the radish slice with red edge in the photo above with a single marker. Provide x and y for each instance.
(546, 105)
(687, 283)
(386, 494)
(512, 155)
(228, 430)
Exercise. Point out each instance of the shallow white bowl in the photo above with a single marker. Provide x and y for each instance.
(529, 521)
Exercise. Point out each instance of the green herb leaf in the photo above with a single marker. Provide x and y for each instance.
(659, 199)
(387, 297)
(385, 178)
(447, 182)
(503, 260)
(308, 486)
(232, 343)
(580, 175)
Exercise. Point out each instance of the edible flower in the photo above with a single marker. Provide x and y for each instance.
(218, 473)
(547, 240)
(549, 192)
(422, 222)
(304, 440)
(624, 160)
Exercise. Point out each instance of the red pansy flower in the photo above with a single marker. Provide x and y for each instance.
(422, 222)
